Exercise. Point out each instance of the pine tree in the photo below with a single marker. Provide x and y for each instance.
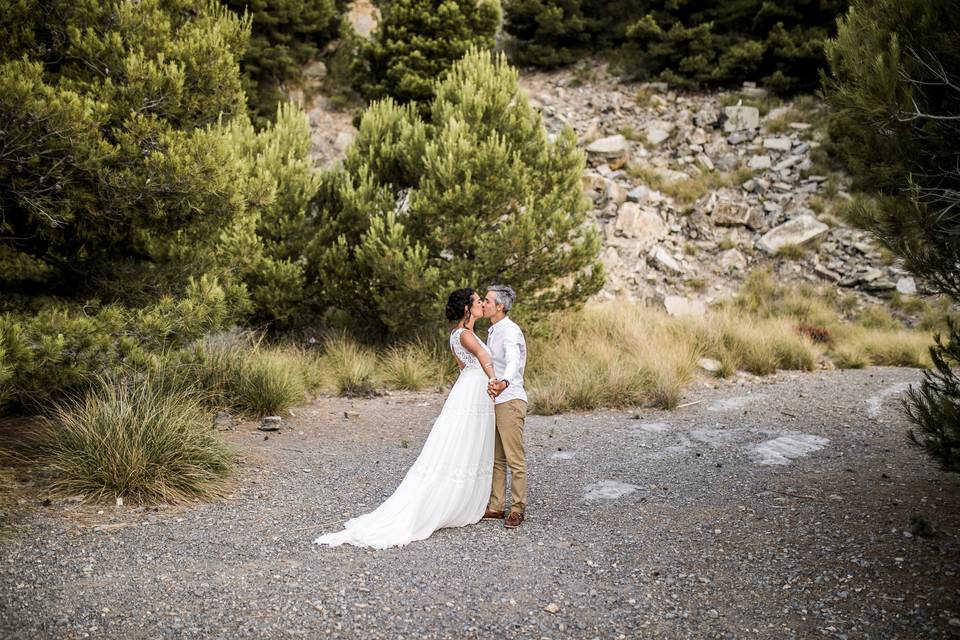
(417, 40)
(935, 406)
(551, 33)
(475, 193)
(138, 208)
(726, 42)
(285, 35)
(895, 92)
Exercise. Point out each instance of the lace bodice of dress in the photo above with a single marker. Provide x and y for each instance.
(468, 359)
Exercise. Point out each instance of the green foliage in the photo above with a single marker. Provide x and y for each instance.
(237, 373)
(475, 193)
(285, 35)
(893, 86)
(413, 366)
(416, 41)
(934, 406)
(725, 42)
(352, 366)
(550, 33)
(61, 348)
(269, 255)
(136, 438)
(129, 165)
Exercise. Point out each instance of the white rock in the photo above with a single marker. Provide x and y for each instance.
(731, 260)
(780, 143)
(610, 259)
(906, 285)
(759, 163)
(705, 161)
(658, 131)
(639, 223)
(741, 118)
(639, 194)
(663, 261)
(797, 231)
(609, 490)
(344, 140)
(709, 364)
(612, 148)
(727, 212)
(363, 17)
(680, 306)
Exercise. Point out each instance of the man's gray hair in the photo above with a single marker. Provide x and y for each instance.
(504, 295)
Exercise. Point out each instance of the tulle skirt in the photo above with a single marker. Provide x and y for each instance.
(449, 483)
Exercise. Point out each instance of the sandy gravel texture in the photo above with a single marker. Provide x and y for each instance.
(771, 508)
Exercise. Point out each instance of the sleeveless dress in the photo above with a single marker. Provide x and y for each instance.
(449, 483)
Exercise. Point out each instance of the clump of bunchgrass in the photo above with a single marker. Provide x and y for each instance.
(352, 367)
(413, 366)
(270, 382)
(241, 374)
(138, 438)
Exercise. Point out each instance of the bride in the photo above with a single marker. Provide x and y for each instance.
(449, 483)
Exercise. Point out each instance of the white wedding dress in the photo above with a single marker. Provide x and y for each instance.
(449, 483)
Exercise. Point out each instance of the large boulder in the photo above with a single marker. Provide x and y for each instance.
(612, 150)
(657, 131)
(639, 223)
(797, 231)
(728, 212)
(741, 119)
(677, 306)
(662, 260)
(780, 143)
(363, 17)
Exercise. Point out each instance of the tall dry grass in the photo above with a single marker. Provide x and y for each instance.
(413, 366)
(620, 355)
(139, 438)
(241, 374)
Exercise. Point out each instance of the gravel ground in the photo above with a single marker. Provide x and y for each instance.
(770, 508)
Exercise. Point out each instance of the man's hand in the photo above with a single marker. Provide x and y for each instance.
(495, 387)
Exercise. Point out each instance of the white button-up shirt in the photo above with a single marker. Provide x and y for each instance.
(508, 351)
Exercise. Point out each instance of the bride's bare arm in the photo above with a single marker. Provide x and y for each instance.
(471, 344)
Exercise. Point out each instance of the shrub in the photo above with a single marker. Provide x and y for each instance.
(237, 373)
(134, 167)
(135, 438)
(416, 41)
(476, 193)
(60, 349)
(285, 34)
(551, 33)
(272, 382)
(691, 44)
(934, 406)
(850, 357)
(895, 123)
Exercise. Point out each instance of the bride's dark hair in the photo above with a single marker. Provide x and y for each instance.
(457, 302)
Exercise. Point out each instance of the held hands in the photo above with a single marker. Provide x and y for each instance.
(495, 387)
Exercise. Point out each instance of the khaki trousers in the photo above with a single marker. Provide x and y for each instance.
(508, 452)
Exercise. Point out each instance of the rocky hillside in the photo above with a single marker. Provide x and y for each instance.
(692, 191)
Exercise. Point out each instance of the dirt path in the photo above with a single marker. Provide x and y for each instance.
(780, 508)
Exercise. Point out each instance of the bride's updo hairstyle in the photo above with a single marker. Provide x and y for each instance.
(458, 301)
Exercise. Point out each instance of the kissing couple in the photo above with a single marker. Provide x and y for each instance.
(460, 475)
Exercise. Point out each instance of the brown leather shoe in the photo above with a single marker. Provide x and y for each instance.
(513, 520)
(490, 514)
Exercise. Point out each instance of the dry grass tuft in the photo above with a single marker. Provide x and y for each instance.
(138, 438)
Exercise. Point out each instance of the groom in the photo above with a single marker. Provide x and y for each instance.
(509, 354)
